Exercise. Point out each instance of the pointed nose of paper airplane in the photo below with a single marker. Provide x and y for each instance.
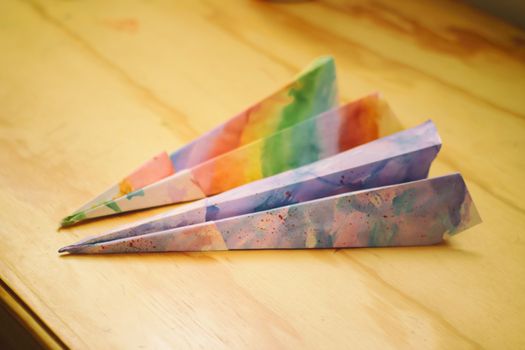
(70, 248)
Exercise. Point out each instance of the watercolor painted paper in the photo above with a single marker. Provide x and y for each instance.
(409, 214)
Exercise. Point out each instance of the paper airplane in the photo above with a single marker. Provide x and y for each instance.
(302, 143)
(409, 214)
(312, 92)
(401, 157)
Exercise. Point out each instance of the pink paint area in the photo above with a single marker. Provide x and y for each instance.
(197, 238)
(152, 171)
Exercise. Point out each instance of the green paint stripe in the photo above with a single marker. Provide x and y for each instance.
(73, 218)
(113, 205)
(137, 193)
(315, 93)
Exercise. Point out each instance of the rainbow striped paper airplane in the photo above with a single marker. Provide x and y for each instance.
(312, 92)
(276, 135)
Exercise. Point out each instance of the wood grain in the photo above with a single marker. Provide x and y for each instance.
(90, 89)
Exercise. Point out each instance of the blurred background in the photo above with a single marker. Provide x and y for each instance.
(511, 10)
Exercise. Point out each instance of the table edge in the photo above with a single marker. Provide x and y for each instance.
(29, 319)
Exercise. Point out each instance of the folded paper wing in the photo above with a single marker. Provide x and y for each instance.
(409, 214)
(316, 138)
(312, 92)
(401, 157)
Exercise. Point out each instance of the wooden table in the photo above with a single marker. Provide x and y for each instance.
(89, 90)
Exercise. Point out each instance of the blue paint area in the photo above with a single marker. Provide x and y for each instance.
(137, 193)
(404, 202)
(212, 213)
(457, 191)
(323, 240)
(181, 157)
(295, 218)
(277, 198)
(382, 235)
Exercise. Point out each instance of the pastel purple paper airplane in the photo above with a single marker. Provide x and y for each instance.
(414, 213)
(315, 191)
